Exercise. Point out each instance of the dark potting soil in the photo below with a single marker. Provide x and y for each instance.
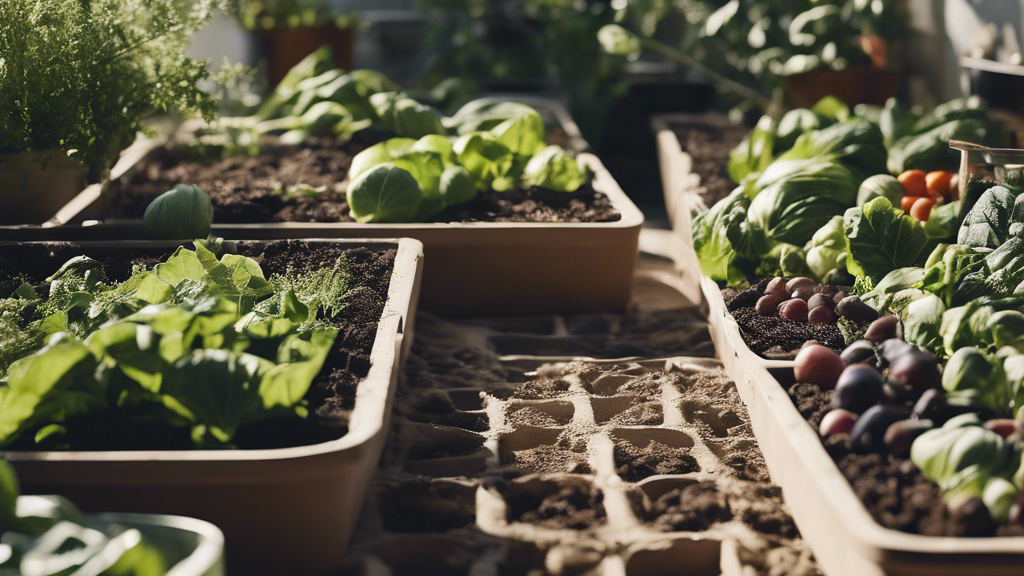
(634, 464)
(695, 508)
(893, 490)
(421, 505)
(709, 147)
(549, 459)
(246, 189)
(576, 507)
(331, 397)
(435, 407)
(774, 337)
(250, 188)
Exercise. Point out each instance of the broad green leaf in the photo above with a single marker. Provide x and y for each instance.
(523, 135)
(485, 158)
(219, 389)
(881, 238)
(300, 360)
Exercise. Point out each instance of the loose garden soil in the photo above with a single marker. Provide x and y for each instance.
(571, 506)
(709, 147)
(893, 490)
(624, 396)
(331, 398)
(634, 464)
(421, 505)
(255, 189)
(774, 337)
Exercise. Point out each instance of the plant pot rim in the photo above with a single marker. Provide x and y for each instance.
(372, 392)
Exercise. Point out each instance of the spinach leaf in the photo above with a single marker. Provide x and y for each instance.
(754, 153)
(49, 386)
(997, 216)
(881, 238)
(711, 237)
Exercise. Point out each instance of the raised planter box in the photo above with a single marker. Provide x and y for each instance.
(288, 511)
(845, 538)
(474, 268)
(189, 547)
(679, 182)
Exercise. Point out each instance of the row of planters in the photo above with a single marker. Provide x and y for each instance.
(333, 154)
(247, 377)
(862, 276)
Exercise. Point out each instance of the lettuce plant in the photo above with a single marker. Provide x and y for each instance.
(406, 180)
(198, 341)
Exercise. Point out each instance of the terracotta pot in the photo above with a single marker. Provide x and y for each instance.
(35, 185)
(854, 86)
(283, 48)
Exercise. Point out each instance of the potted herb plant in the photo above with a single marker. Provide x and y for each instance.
(792, 52)
(289, 30)
(77, 80)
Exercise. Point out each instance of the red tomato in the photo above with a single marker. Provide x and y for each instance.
(914, 182)
(922, 209)
(907, 201)
(938, 183)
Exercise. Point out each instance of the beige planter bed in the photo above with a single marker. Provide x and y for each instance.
(287, 511)
(679, 182)
(845, 538)
(473, 268)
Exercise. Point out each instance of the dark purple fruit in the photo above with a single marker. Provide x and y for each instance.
(971, 517)
(777, 286)
(901, 435)
(794, 309)
(795, 283)
(883, 329)
(855, 310)
(818, 365)
(838, 297)
(768, 304)
(803, 292)
(931, 403)
(892, 348)
(819, 300)
(821, 315)
(917, 369)
(860, 352)
(837, 421)
(868, 434)
(859, 387)
(898, 393)
(1005, 427)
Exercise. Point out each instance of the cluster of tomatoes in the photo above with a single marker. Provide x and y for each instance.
(924, 191)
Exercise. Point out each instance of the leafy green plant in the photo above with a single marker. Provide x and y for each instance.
(198, 341)
(406, 180)
(50, 531)
(81, 76)
(184, 213)
(750, 47)
(963, 458)
(545, 42)
(881, 238)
